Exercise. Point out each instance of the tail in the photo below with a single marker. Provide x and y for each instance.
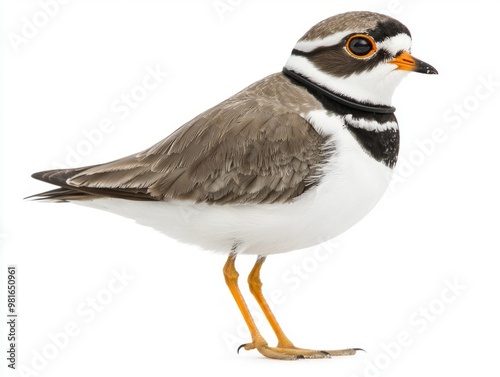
(65, 192)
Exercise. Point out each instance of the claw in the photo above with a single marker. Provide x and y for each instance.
(359, 349)
(240, 347)
(300, 357)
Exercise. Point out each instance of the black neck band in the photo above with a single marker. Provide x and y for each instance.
(335, 97)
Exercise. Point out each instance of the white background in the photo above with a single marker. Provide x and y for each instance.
(438, 224)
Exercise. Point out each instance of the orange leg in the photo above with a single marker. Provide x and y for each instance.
(255, 285)
(231, 276)
(285, 349)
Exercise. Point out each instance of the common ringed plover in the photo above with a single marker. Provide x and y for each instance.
(290, 161)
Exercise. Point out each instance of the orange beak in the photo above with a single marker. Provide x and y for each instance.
(406, 62)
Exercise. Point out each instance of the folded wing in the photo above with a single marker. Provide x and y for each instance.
(241, 151)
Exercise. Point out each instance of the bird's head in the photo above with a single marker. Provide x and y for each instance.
(359, 55)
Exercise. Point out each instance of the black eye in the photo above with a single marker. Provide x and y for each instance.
(360, 46)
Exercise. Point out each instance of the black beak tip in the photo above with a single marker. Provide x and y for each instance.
(430, 70)
(426, 68)
(423, 67)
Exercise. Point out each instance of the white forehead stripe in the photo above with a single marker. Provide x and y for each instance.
(397, 43)
(331, 40)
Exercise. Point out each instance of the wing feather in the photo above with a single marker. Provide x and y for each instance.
(241, 151)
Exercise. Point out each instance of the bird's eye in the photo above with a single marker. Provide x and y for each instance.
(360, 46)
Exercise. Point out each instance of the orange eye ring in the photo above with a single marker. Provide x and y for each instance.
(361, 46)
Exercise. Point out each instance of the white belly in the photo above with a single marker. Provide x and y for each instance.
(353, 183)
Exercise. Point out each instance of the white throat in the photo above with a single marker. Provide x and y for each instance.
(376, 86)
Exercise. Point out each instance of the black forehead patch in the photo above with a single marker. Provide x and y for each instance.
(387, 29)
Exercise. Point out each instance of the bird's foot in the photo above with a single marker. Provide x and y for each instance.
(290, 352)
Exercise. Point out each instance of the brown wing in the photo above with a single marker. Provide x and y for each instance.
(238, 152)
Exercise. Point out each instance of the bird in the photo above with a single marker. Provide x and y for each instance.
(292, 160)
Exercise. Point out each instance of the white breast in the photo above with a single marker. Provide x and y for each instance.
(352, 184)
